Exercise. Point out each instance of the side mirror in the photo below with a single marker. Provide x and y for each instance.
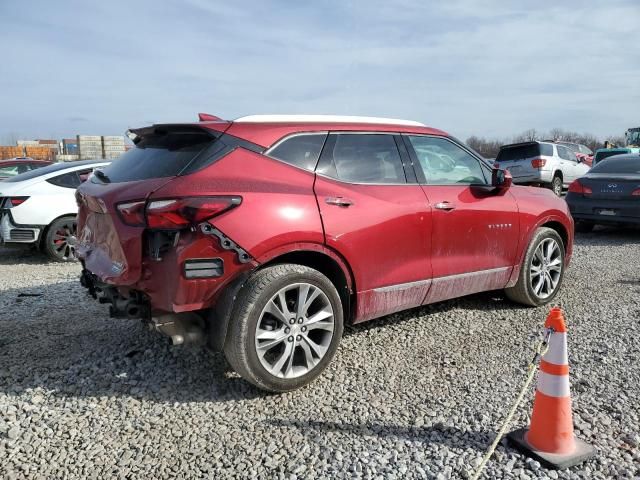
(501, 179)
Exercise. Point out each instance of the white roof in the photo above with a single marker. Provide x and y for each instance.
(324, 119)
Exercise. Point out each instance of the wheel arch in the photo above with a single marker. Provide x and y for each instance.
(45, 230)
(316, 256)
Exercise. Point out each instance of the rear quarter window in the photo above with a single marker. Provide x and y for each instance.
(67, 180)
(301, 150)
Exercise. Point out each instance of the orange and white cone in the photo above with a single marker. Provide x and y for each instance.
(550, 437)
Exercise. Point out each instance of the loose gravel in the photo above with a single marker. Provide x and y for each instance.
(415, 395)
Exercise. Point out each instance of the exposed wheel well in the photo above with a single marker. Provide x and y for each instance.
(559, 228)
(558, 173)
(325, 265)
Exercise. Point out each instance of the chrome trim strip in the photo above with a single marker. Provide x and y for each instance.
(447, 278)
(458, 276)
(402, 286)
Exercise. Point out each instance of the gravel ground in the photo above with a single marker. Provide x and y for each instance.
(418, 394)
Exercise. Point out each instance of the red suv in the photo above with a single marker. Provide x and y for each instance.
(263, 236)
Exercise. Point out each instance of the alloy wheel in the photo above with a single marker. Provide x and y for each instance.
(294, 330)
(64, 240)
(546, 268)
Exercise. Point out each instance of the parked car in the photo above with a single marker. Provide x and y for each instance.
(541, 164)
(265, 235)
(603, 153)
(16, 166)
(608, 194)
(584, 153)
(39, 207)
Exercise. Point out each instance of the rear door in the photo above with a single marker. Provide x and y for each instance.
(571, 168)
(377, 217)
(474, 230)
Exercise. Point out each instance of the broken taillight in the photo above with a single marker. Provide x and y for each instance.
(174, 213)
(132, 213)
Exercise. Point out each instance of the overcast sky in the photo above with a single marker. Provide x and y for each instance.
(491, 68)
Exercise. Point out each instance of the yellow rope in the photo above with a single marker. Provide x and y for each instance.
(541, 349)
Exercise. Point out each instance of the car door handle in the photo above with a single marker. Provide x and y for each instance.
(445, 206)
(338, 201)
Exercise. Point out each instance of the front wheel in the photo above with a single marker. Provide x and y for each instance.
(59, 242)
(285, 328)
(542, 270)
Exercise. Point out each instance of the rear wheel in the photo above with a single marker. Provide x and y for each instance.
(59, 242)
(285, 327)
(556, 185)
(542, 270)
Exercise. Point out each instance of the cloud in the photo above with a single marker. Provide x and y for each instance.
(492, 69)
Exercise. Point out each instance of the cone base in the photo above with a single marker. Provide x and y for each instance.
(583, 452)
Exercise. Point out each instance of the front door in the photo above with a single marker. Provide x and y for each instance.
(475, 230)
(377, 219)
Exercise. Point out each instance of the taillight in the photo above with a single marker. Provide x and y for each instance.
(174, 213)
(15, 201)
(538, 162)
(636, 193)
(132, 213)
(577, 187)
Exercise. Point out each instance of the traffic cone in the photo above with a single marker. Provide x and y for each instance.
(550, 437)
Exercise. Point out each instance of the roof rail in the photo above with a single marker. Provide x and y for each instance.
(324, 119)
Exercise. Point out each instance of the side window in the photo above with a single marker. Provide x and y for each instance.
(66, 180)
(565, 153)
(367, 158)
(300, 150)
(11, 171)
(546, 150)
(445, 163)
(83, 175)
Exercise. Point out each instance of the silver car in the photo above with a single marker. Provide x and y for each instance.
(541, 163)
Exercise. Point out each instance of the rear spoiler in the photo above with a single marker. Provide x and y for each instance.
(213, 130)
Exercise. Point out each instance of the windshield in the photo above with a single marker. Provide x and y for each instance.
(619, 164)
(601, 155)
(633, 137)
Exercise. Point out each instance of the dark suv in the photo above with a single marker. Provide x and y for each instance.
(261, 237)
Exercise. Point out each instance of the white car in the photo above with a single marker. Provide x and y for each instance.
(541, 163)
(39, 207)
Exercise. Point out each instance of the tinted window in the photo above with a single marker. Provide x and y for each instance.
(602, 155)
(56, 167)
(67, 180)
(445, 163)
(545, 149)
(619, 165)
(300, 150)
(158, 155)
(367, 158)
(515, 153)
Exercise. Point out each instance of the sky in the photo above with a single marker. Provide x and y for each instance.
(489, 68)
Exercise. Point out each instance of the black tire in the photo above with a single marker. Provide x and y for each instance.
(58, 241)
(556, 185)
(584, 227)
(240, 346)
(523, 291)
